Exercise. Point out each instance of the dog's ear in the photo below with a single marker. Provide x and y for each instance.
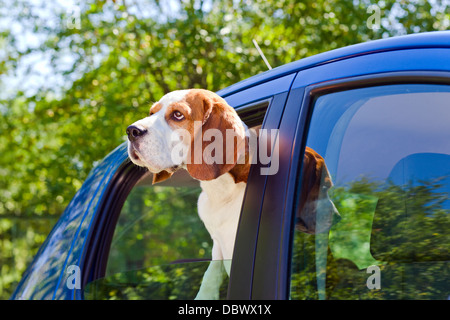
(315, 175)
(213, 159)
(311, 176)
(310, 179)
(161, 176)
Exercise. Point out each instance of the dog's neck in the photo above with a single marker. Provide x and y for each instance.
(221, 189)
(226, 185)
(241, 170)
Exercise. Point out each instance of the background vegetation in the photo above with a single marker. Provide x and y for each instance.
(74, 74)
(402, 229)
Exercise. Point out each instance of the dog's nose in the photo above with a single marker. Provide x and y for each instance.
(134, 132)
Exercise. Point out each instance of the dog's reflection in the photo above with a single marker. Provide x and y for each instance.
(316, 212)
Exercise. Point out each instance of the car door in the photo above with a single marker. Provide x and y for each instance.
(147, 241)
(380, 122)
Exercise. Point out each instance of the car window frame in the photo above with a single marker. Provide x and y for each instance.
(241, 274)
(94, 260)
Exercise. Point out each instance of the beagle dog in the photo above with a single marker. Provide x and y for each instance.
(185, 117)
(179, 123)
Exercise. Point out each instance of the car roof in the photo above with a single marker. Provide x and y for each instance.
(437, 39)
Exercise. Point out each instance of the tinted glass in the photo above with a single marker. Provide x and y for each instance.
(387, 152)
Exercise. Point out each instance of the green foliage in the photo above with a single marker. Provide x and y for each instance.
(160, 248)
(166, 282)
(158, 225)
(68, 90)
(401, 229)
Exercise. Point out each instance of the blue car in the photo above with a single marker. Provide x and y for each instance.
(379, 115)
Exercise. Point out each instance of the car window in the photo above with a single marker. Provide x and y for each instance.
(161, 249)
(379, 230)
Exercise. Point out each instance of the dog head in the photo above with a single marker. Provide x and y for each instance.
(193, 129)
(317, 212)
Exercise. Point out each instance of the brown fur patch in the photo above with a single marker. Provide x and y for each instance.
(314, 175)
(214, 113)
(155, 108)
(161, 176)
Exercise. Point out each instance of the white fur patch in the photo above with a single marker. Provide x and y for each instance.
(153, 150)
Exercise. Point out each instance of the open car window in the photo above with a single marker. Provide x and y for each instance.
(160, 248)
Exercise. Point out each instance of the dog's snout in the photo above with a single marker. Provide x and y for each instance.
(134, 132)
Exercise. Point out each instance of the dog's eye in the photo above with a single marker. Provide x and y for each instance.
(177, 115)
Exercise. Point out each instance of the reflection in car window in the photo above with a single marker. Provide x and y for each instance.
(387, 151)
(160, 248)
